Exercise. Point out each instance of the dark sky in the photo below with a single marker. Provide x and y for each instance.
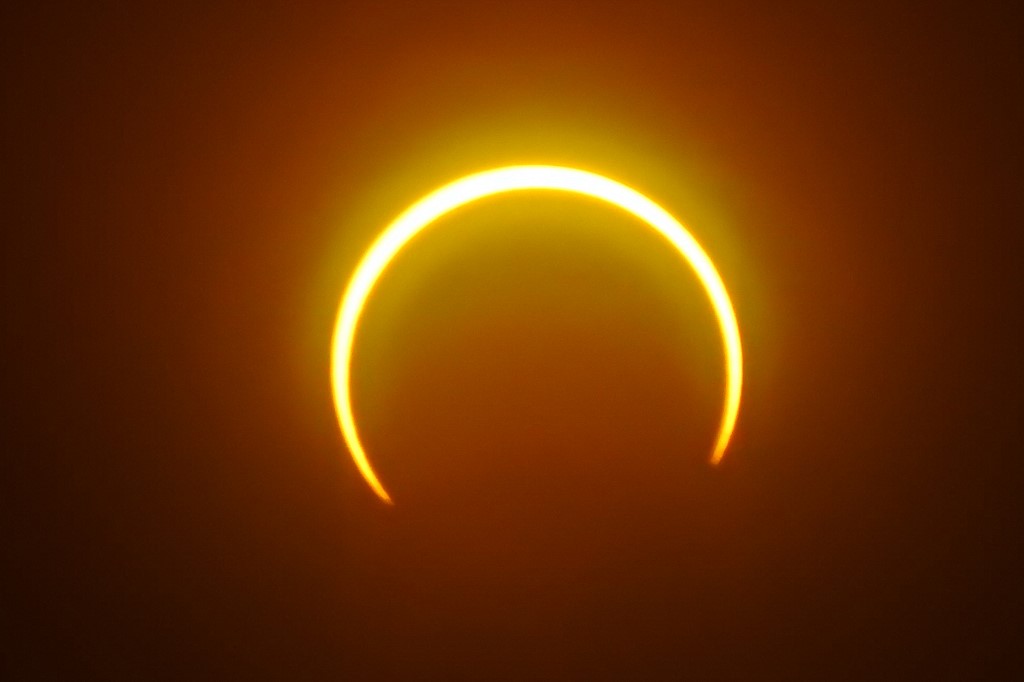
(539, 382)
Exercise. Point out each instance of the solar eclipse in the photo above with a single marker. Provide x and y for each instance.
(470, 188)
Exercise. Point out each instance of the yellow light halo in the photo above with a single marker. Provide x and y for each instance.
(498, 181)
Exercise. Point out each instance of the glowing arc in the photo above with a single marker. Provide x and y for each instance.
(498, 181)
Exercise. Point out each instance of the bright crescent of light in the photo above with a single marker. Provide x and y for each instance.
(513, 178)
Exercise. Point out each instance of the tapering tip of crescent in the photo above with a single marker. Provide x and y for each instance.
(477, 186)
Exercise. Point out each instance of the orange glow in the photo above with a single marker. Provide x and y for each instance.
(514, 178)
